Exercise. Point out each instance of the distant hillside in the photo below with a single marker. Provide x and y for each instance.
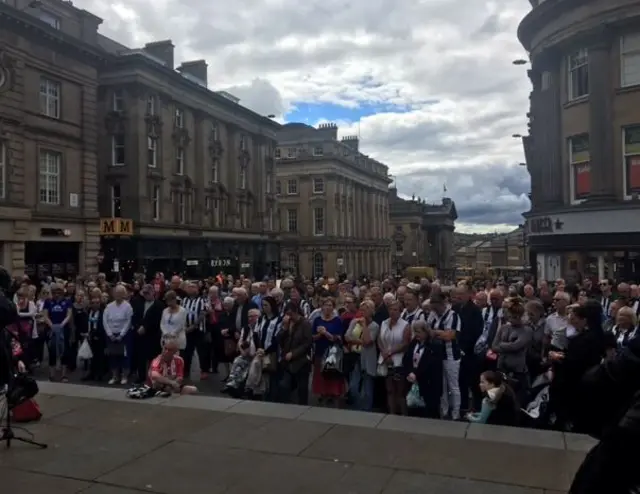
(463, 239)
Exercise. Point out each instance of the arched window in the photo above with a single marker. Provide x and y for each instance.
(318, 266)
(292, 262)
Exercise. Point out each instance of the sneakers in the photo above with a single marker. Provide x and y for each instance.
(112, 381)
(124, 380)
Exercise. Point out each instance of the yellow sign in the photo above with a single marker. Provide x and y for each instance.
(116, 226)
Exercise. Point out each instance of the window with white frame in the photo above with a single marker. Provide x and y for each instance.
(292, 220)
(151, 105)
(578, 80)
(152, 152)
(49, 98)
(3, 170)
(292, 262)
(292, 186)
(630, 60)
(179, 120)
(117, 100)
(318, 221)
(318, 265)
(318, 151)
(50, 169)
(215, 172)
(242, 179)
(117, 150)
(179, 161)
(580, 167)
(278, 153)
(631, 160)
(49, 18)
(155, 202)
(116, 201)
(318, 186)
(182, 208)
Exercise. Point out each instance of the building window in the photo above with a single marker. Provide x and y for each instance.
(117, 100)
(179, 118)
(116, 201)
(242, 181)
(216, 213)
(399, 249)
(215, 132)
(243, 143)
(152, 152)
(268, 179)
(215, 172)
(292, 187)
(578, 74)
(155, 202)
(291, 152)
(182, 208)
(278, 153)
(632, 160)
(292, 220)
(48, 18)
(3, 170)
(318, 221)
(292, 262)
(318, 186)
(117, 150)
(278, 187)
(580, 167)
(49, 98)
(270, 220)
(151, 105)
(318, 151)
(49, 177)
(630, 60)
(180, 161)
(318, 265)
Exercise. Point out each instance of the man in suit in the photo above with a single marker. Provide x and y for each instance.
(294, 344)
(147, 312)
(241, 308)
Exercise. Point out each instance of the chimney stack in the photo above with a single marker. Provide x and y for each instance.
(195, 68)
(162, 50)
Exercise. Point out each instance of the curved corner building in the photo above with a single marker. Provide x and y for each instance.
(583, 147)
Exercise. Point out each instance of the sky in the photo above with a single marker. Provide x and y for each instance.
(428, 85)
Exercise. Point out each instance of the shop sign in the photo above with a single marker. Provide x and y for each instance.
(116, 226)
(220, 263)
(541, 225)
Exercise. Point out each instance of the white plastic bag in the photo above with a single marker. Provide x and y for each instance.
(84, 352)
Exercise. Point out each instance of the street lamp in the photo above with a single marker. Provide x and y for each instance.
(517, 136)
(271, 115)
(520, 61)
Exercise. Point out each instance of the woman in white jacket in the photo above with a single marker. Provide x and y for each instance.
(174, 322)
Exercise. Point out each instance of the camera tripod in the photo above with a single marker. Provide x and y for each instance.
(7, 435)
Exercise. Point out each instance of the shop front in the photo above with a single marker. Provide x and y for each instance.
(595, 243)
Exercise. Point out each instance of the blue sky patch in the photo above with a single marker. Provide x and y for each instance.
(310, 113)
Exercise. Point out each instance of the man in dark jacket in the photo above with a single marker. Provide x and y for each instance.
(472, 325)
(147, 312)
(295, 340)
(613, 391)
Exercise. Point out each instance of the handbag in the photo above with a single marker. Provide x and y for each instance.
(332, 360)
(269, 363)
(230, 347)
(84, 352)
(414, 398)
(382, 370)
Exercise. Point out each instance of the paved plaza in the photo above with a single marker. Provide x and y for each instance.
(100, 442)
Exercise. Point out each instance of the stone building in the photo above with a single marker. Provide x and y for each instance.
(334, 204)
(422, 233)
(49, 63)
(192, 168)
(583, 147)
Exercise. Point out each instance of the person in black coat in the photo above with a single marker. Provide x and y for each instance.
(97, 338)
(422, 364)
(241, 308)
(147, 313)
(611, 397)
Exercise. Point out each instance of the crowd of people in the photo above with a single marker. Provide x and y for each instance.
(462, 352)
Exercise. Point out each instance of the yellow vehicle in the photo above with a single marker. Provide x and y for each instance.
(419, 272)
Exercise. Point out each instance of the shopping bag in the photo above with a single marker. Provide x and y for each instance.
(333, 360)
(84, 352)
(414, 398)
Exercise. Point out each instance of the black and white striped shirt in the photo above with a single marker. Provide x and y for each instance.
(194, 306)
(413, 316)
(449, 320)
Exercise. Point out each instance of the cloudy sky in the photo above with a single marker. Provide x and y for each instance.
(428, 84)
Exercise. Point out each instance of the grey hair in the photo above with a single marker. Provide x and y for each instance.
(169, 338)
(388, 297)
(228, 301)
(277, 292)
(419, 324)
(254, 312)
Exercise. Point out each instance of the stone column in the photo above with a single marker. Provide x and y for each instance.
(600, 118)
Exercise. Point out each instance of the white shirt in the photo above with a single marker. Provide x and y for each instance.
(175, 323)
(393, 336)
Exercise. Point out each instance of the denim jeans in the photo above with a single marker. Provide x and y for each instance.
(56, 345)
(361, 388)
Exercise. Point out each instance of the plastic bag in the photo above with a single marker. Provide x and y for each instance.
(84, 352)
(332, 361)
(414, 398)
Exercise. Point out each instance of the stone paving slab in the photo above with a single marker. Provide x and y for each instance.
(108, 446)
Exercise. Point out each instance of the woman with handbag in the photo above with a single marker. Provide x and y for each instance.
(269, 326)
(228, 348)
(327, 331)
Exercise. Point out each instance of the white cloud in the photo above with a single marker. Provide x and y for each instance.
(445, 63)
